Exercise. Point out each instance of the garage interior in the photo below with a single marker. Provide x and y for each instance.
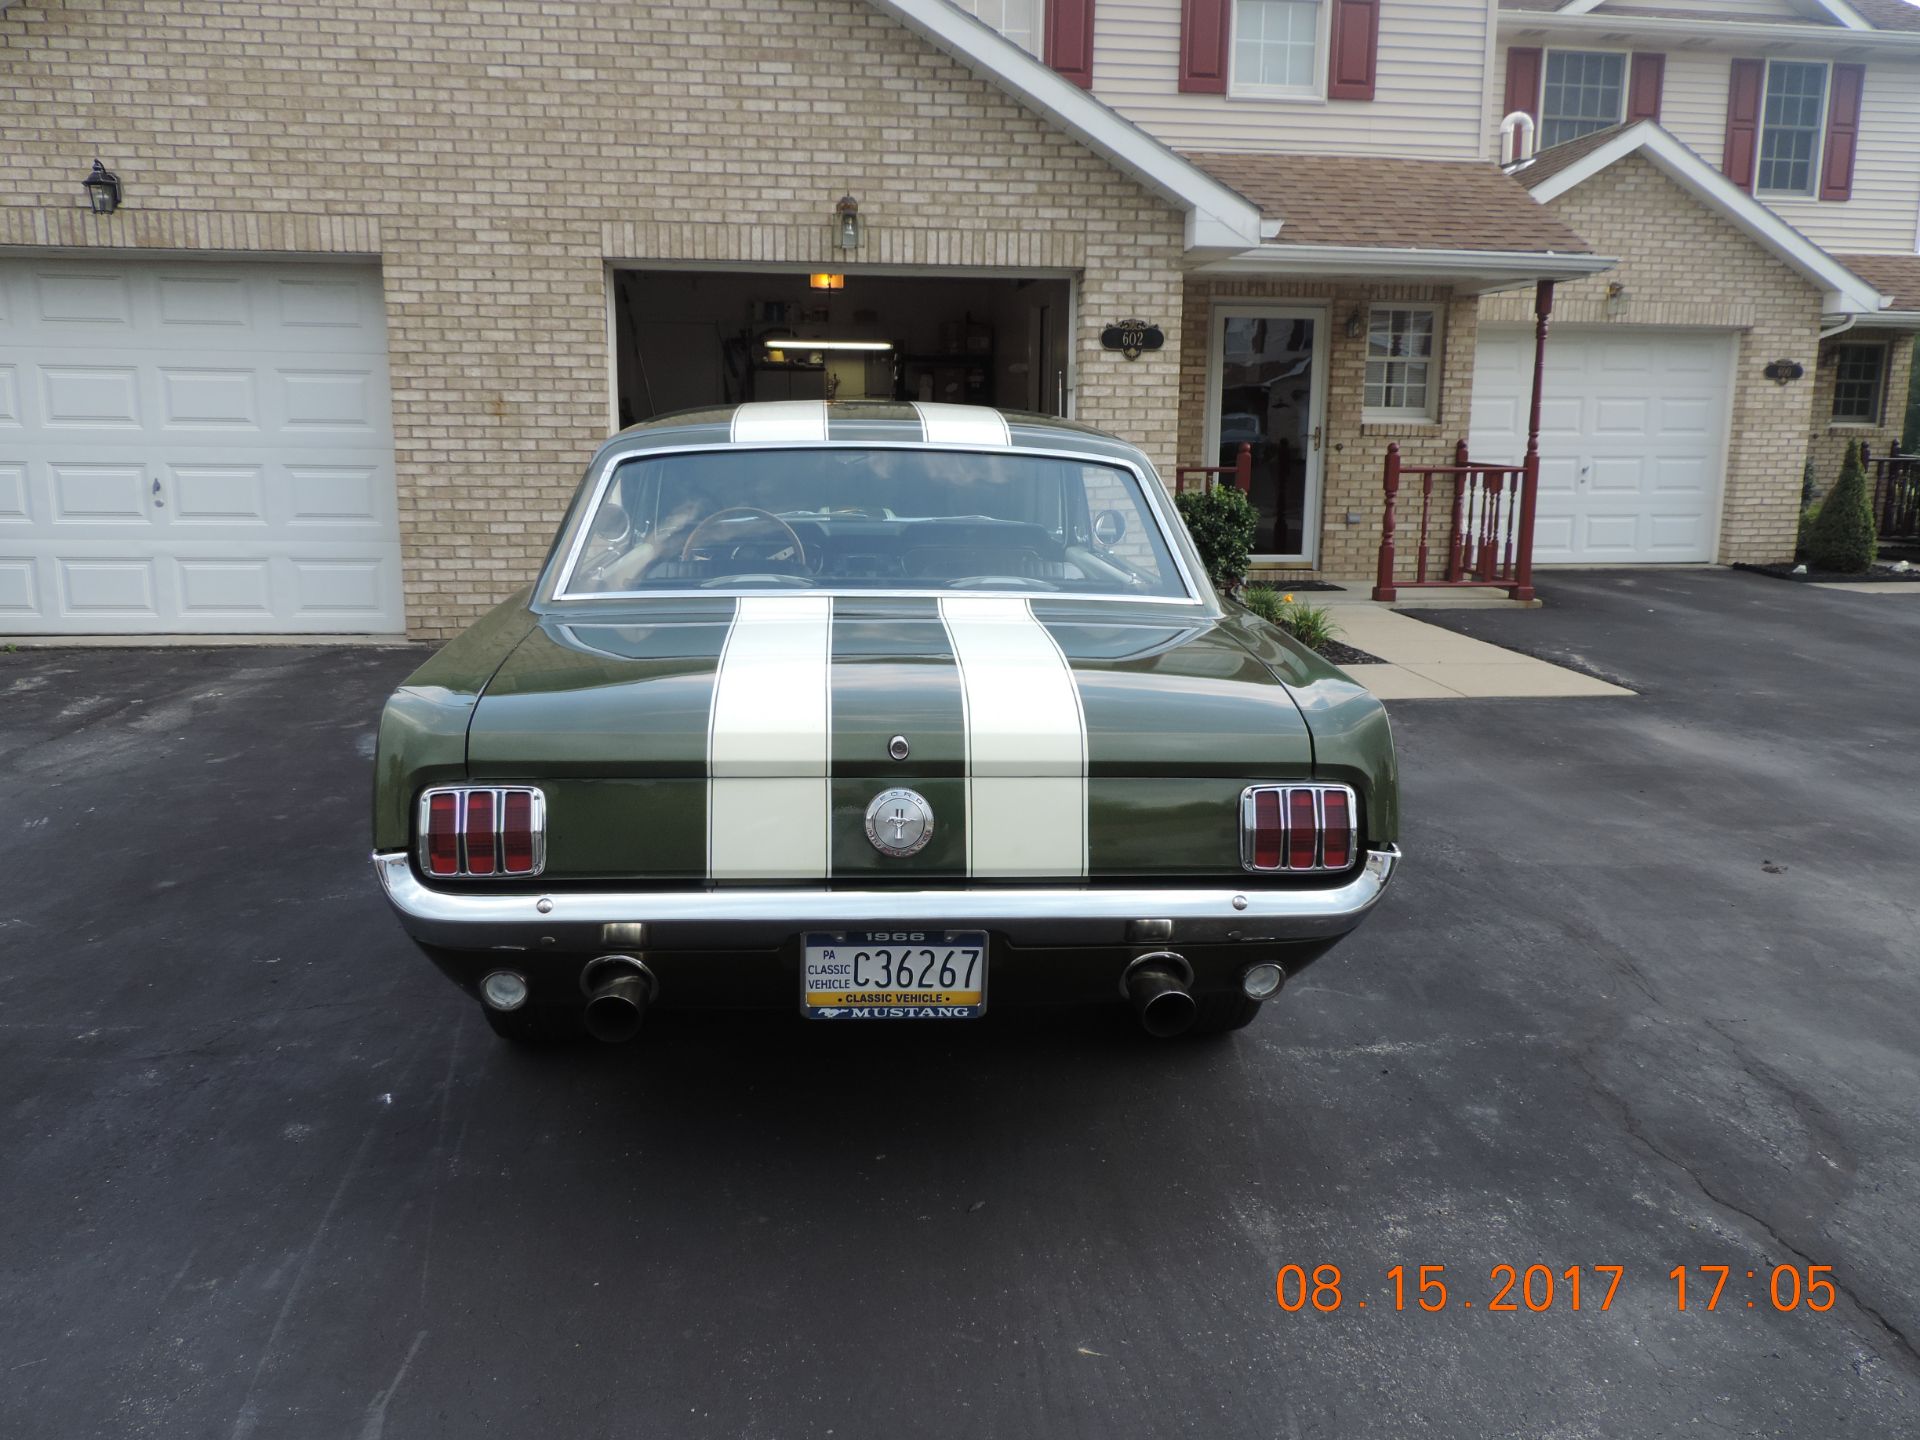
(685, 338)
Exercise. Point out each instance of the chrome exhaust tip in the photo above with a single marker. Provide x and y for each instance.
(1157, 987)
(619, 990)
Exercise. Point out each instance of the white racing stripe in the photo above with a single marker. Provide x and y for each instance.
(769, 739)
(1026, 741)
(962, 424)
(780, 421)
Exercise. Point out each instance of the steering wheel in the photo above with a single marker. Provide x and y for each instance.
(698, 535)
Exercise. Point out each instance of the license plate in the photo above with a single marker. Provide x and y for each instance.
(894, 975)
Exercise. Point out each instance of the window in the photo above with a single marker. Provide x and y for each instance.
(1400, 363)
(851, 519)
(1791, 117)
(1276, 47)
(1858, 374)
(1018, 20)
(1584, 91)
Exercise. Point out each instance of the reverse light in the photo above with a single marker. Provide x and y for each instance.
(1297, 829)
(480, 831)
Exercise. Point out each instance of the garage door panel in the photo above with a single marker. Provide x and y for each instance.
(1632, 438)
(208, 399)
(90, 397)
(19, 587)
(123, 587)
(96, 299)
(219, 494)
(254, 395)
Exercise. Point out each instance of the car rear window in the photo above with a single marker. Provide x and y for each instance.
(858, 518)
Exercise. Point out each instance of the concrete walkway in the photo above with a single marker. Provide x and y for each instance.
(1425, 662)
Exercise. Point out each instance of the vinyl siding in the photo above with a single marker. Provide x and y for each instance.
(1429, 95)
(1883, 214)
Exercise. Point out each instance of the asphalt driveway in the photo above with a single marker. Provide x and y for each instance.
(1647, 995)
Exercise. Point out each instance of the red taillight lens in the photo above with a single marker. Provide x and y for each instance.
(1298, 827)
(483, 831)
(517, 833)
(1336, 835)
(480, 832)
(443, 834)
(1303, 830)
(1266, 829)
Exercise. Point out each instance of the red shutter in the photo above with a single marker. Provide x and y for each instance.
(1069, 44)
(1523, 82)
(1745, 86)
(1354, 47)
(1204, 26)
(1843, 131)
(1645, 79)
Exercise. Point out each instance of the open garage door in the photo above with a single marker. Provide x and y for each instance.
(686, 338)
(195, 446)
(1633, 436)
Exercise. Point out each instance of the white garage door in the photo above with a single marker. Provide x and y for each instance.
(1632, 438)
(194, 446)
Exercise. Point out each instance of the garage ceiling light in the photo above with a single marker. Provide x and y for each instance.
(790, 342)
(827, 282)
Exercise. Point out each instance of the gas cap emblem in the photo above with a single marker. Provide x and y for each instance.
(899, 822)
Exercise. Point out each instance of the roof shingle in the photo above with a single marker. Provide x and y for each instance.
(1388, 203)
(1894, 275)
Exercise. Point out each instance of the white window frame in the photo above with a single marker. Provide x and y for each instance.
(1879, 416)
(1039, 19)
(1419, 415)
(1546, 60)
(1246, 90)
(1817, 163)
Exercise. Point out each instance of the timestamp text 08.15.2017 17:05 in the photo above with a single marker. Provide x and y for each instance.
(1539, 1288)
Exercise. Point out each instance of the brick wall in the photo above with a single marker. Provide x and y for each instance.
(1353, 453)
(1827, 442)
(1681, 265)
(496, 155)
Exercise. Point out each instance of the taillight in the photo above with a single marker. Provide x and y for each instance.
(483, 831)
(1297, 828)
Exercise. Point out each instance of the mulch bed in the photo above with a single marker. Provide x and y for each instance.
(1288, 587)
(1876, 576)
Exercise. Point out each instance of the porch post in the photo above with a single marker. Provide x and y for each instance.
(1383, 581)
(1530, 467)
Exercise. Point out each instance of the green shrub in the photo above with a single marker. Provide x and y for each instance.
(1311, 625)
(1841, 537)
(1807, 479)
(1807, 513)
(1222, 522)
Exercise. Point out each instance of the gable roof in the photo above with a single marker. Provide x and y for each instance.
(1892, 24)
(1889, 14)
(1844, 13)
(1373, 200)
(1217, 218)
(1553, 173)
(1895, 276)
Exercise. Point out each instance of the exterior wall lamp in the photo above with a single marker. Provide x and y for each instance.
(103, 189)
(847, 227)
(1356, 323)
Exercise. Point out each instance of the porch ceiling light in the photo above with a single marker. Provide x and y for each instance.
(827, 282)
(103, 189)
(846, 222)
(788, 342)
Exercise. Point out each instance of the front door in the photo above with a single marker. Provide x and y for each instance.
(1268, 392)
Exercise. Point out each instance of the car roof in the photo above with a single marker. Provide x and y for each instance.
(880, 422)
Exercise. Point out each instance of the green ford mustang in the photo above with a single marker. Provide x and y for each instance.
(876, 711)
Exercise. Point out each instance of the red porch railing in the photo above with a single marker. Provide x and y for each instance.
(1475, 525)
(1896, 493)
(1239, 474)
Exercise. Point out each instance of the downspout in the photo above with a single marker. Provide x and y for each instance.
(1845, 325)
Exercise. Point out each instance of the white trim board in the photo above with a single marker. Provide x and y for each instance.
(1845, 292)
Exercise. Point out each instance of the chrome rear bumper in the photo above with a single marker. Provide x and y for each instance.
(764, 919)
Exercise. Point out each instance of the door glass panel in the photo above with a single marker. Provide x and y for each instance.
(1266, 399)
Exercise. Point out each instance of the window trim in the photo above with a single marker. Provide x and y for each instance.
(1879, 417)
(1039, 46)
(1817, 163)
(1546, 61)
(1429, 414)
(1238, 89)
